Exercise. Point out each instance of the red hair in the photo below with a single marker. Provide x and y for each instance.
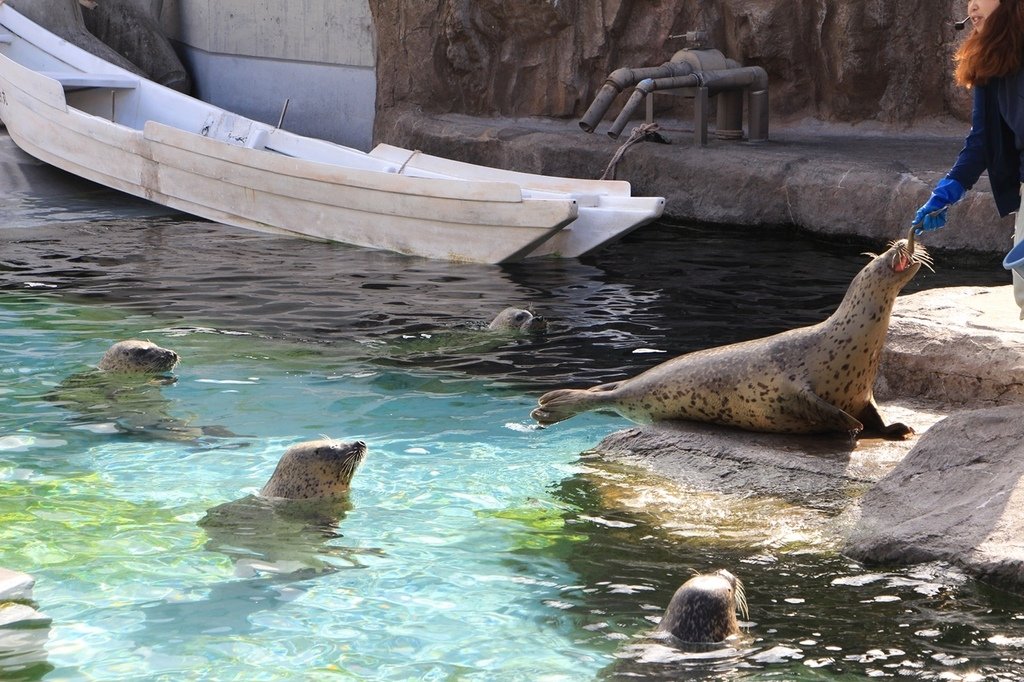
(996, 50)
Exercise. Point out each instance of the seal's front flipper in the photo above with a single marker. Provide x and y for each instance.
(874, 423)
(817, 416)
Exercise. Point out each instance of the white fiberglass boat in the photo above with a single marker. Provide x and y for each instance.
(89, 117)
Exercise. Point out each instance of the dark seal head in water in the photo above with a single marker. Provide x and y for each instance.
(814, 379)
(315, 469)
(703, 609)
(517, 320)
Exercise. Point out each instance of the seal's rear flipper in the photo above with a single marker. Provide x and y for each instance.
(558, 405)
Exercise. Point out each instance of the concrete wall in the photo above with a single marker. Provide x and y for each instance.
(250, 56)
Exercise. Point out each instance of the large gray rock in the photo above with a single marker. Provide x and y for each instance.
(958, 497)
(821, 471)
(132, 28)
(958, 346)
(123, 32)
(15, 586)
(64, 18)
(24, 630)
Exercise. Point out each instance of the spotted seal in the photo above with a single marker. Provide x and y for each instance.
(315, 469)
(517, 320)
(703, 609)
(812, 379)
(282, 530)
(138, 357)
(122, 394)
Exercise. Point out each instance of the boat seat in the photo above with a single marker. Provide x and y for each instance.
(73, 80)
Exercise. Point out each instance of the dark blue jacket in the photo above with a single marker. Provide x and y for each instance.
(996, 141)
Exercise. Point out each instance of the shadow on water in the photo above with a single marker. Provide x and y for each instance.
(278, 548)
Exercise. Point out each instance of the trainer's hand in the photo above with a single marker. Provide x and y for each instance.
(932, 215)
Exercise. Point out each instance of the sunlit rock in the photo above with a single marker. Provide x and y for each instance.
(15, 585)
(957, 346)
(958, 496)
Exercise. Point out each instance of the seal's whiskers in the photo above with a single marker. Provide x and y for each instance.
(740, 597)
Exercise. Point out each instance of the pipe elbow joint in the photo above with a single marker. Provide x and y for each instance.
(620, 79)
(646, 86)
(760, 80)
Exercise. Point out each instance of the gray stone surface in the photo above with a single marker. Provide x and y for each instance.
(122, 32)
(64, 18)
(956, 346)
(132, 29)
(958, 497)
(818, 471)
(15, 585)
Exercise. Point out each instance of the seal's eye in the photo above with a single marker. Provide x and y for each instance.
(521, 316)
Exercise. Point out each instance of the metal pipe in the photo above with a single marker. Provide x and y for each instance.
(730, 115)
(757, 115)
(644, 88)
(753, 77)
(620, 79)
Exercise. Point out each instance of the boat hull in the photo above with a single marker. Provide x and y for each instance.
(86, 116)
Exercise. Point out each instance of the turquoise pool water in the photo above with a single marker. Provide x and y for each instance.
(474, 546)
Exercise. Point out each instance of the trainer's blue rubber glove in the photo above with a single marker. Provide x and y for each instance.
(932, 215)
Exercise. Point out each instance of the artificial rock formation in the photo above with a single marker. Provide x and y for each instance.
(958, 346)
(837, 60)
(24, 631)
(123, 32)
(958, 497)
(64, 18)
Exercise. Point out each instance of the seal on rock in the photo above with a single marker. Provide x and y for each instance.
(814, 379)
(138, 357)
(315, 469)
(703, 609)
(517, 320)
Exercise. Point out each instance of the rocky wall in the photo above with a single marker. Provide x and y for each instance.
(836, 60)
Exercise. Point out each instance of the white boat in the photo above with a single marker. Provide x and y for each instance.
(96, 120)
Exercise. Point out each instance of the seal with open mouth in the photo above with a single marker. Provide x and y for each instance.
(814, 379)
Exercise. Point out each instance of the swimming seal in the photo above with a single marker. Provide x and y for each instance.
(517, 320)
(282, 530)
(812, 379)
(315, 469)
(704, 608)
(138, 357)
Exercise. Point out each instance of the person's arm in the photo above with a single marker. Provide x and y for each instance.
(969, 166)
(970, 163)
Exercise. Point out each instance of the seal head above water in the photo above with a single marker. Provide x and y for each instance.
(814, 379)
(517, 320)
(315, 469)
(704, 608)
(138, 357)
